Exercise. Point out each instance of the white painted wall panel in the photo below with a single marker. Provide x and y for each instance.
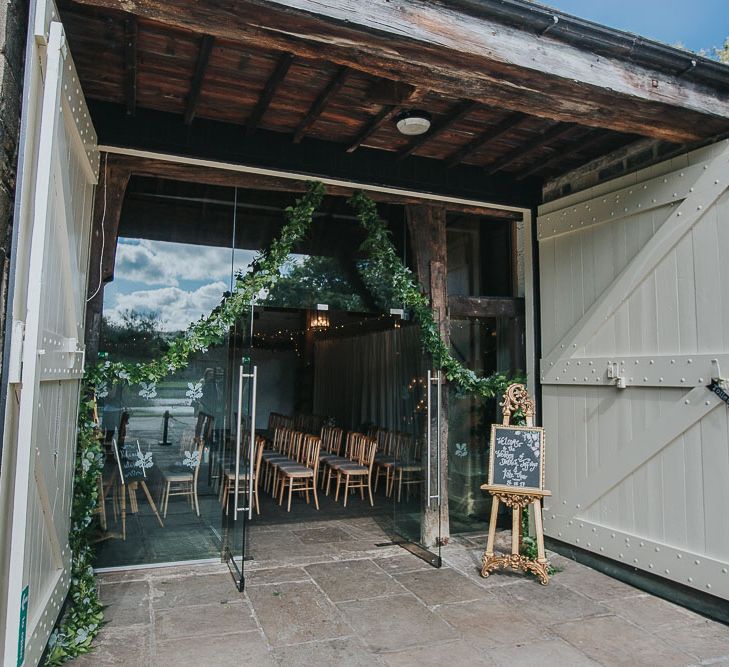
(56, 195)
(640, 474)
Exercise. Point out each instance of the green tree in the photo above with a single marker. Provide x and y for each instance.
(136, 337)
(315, 280)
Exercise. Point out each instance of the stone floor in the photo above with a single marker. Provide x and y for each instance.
(324, 594)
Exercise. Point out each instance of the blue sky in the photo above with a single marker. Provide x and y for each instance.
(698, 24)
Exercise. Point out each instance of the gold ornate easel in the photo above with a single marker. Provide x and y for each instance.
(516, 399)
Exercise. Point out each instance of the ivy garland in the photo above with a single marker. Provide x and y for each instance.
(384, 262)
(83, 620)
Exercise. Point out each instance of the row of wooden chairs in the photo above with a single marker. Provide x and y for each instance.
(292, 462)
(398, 460)
(353, 468)
(228, 485)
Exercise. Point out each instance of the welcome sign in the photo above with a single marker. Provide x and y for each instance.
(516, 458)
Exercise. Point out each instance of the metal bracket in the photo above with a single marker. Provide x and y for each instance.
(15, 364)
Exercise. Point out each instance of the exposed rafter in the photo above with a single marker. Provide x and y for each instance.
(321, 102)
(552, 134)
(269, 91)
(506, 125)
(460, 112)
(203, 55)
(387, 113)
(584, 143)
(462, 55)
(130, 63)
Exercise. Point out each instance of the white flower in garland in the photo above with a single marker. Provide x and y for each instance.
(102, 391)
(461, 449)
(148, 390)
(194, 392)
(123, 374)
(191, 460)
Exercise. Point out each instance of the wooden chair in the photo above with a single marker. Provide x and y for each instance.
(291, 454)
(352, 447)
(183, 483)
(408, 471)
(331, 447)
(388, 446)
(229, 482)
(358, 474)
(302, 476)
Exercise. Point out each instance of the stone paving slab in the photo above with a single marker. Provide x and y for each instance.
(323, 594)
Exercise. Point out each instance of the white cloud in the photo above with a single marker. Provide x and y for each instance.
(176, 307)
(166, 263)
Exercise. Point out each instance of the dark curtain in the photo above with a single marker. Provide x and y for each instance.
(373, 379)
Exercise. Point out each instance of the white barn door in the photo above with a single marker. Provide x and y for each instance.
(58, 173)
(635, 322)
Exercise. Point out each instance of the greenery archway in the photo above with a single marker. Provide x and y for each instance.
(85, 614)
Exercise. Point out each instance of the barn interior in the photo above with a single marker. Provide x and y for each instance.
(210, 123)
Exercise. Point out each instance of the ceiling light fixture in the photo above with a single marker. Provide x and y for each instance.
(413, 122)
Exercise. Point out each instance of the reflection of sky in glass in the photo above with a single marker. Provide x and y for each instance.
(178, 281)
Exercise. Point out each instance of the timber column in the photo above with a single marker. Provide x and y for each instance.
(427, 227)
(108, 200)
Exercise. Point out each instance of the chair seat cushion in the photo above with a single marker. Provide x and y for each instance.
(177, 476)
(354, 468)
(230, 476)
(409, 468)
(298, 471)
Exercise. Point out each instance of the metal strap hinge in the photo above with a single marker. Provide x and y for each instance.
(15, 364)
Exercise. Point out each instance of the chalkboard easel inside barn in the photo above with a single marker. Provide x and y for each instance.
(516, 478)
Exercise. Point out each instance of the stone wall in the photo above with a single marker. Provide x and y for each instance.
(13, 26)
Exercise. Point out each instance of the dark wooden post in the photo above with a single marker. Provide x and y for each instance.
(427, 227)
(108, 200)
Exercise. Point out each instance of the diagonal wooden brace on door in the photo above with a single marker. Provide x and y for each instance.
(711, 184)
(645, 445)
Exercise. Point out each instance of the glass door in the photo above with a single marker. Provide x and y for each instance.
(238, 460)
(416, 480)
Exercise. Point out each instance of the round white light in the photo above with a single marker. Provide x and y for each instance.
(413, 124)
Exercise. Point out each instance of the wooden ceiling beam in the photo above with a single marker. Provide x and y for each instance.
(388, 112)
(155, 168)
(462, 55)
(203, 55)
(130, 63)
(274, 81)
(458, 114)
(334, 86)
(547, 137)
(584, 143)
(506, 125)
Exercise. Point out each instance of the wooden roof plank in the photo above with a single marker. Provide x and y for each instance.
(130, 63)
(387, 113)
(462, 110)
(461, 55)
(546, 137)
(269, 91)
(584, 143)
(506, 125)
(321, 102)
(203, 56)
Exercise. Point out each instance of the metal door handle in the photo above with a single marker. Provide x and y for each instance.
(437, 379)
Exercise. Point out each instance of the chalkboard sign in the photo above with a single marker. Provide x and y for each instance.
(517, 457)
(132, 462)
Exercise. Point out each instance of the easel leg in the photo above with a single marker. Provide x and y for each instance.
(541, 557)
(489, 553)
(515, 530)
(124, 513)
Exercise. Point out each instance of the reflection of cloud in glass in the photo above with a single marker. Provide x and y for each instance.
(176, 307)
(166, 263)
(191, 280)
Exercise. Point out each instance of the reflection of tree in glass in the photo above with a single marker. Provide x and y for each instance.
(136, 337)
(315, 280)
